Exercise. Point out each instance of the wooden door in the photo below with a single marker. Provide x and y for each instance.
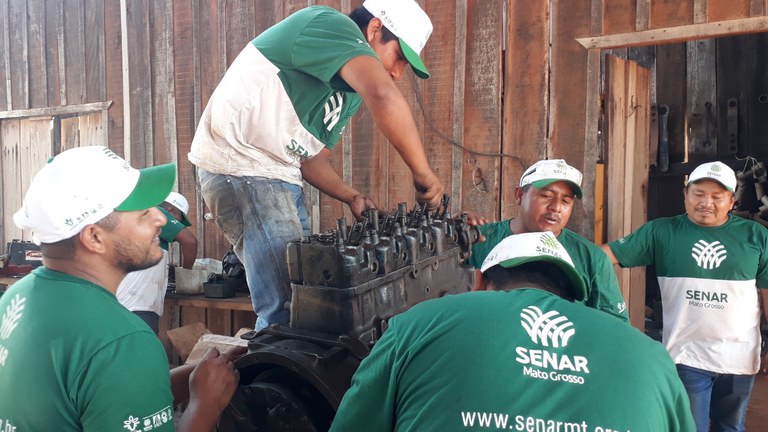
(627, 105)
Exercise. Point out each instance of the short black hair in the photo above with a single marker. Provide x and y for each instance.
(361, 16)
(540, 274)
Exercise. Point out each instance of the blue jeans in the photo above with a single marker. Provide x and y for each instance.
(721, 398)
(259, 216)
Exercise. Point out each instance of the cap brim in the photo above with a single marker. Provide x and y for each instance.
(414, 60)
(713, 179)
(184, 220)
(155, 183)
(538, 184)
(579, 289)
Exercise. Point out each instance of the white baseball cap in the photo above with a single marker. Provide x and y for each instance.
(409, 23)
(524, 248)
(177, 200)
(547, 171)
(716, 171)
(83, 185)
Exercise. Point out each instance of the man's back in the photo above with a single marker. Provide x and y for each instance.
(67, 347)
(515, 360)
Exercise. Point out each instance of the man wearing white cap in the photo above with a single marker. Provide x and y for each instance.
(546, 196)
(143, 291)
(710, 266)
(521, 357)
(72, 358)
(280, 109)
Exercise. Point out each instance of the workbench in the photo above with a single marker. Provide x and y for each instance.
(220, 316)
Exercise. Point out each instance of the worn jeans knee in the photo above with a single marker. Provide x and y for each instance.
(259, 217)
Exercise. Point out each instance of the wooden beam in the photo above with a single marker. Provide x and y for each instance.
(56, 111)
(677, 34)
(643, 15)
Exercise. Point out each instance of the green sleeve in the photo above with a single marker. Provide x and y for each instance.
(607, 297)
(369, 404)
(494, 233)
(127, 383)
(636, 249)
(762, 265)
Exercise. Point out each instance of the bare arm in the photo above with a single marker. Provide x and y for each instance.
(318, 172)
(188, 244)
(212, 382)
(393, 116)
(609, 253)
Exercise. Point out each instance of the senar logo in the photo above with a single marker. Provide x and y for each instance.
(546, 329)
(708, 255)
(549, 329)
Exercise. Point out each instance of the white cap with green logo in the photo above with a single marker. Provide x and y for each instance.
(524, 248)
(409, 23)
(547, 171)
(83, 185)
(716, 171)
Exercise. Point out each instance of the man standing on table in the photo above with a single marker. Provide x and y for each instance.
(278, 112)
(710, 266)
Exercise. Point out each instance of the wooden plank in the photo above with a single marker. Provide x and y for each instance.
(56, 110)
(35, 149)
(113, 75)
(74, 50)
(639, 160)
(722, 10)
(13, 186)
(6, 100)
(592, 154)
(671, 13)
(526, 98)
(701, 100)
(700, 11)
(619, 17)
(600, 203)
(677, 34)
(164, 148)
(51, 44)
(139, 120)
(220, 322)
(38, 68)
(242, 319)
(481, 105)
(171, 319)
(19, 58)
(756, 7)
(568, 96)
(92, 130)
(192, 315)
(95, 57)
(642, 15)
(70, 133)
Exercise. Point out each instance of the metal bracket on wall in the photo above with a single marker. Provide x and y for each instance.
(732, 122)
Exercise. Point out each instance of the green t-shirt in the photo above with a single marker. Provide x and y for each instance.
(73, 359)
(707, 278)
(282, 100)
(520, 360)
(603, 291)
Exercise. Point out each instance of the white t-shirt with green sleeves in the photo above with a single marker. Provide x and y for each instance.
(708, 278)
(282, 100)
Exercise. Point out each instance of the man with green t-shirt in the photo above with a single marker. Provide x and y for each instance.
(520, 357)
(710, 266)
(72, 358)
(281, 108)
(546, 195)
(143, 291)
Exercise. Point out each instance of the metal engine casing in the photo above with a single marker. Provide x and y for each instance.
(346, 284)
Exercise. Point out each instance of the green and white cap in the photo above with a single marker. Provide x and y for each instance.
(716, 171)
(409, 23)
(177, 200)
(83, 185)
(547, 171)
(524, 248)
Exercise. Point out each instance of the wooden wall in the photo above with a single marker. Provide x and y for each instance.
(513, 81)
